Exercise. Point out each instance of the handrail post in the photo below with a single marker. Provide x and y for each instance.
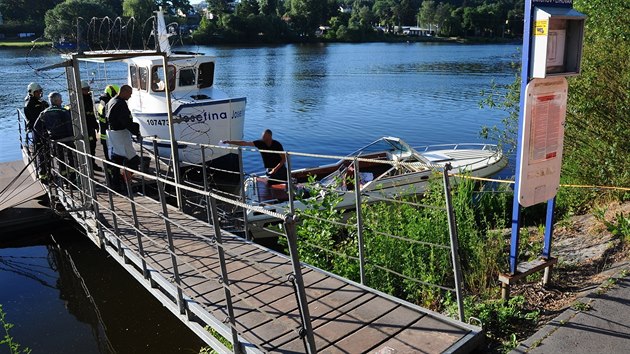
(156, 157)
(357, 198)
(452, 231)
(171, 247)
(204, 172)
(144, 190)
(290, 185)
(241, 173)
(136, 226)
(171, 131)
(110, 196)
(213, 219)
(307, 329)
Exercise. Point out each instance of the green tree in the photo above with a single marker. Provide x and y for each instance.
(61, 21)
(385, 11)
(247, 7)
(427, 14)
(21, 11)
(217, 7)
(141, 10)
(597, 142)
(172, 6)
(269, 7)
(306, 15)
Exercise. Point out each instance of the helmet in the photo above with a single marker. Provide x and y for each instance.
(112, 90)
(32, 87)
(85, 84)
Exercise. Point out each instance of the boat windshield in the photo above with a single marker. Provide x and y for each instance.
(382, 145)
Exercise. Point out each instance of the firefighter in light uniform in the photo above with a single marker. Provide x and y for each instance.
(108, 94)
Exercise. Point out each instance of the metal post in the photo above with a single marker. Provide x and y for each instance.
(110, 196)
(136, 226)
(204, 172)
(241, 172)
(546, 252)
(211, 209)
(307, 328)
(516, 208)
(171, 248)
(171, 131)
(290, 185)
(80, 120)
(452, 231)
(144, 190)
(357, 199)
(156, 157)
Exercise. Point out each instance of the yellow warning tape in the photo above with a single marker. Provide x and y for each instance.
(561, 185)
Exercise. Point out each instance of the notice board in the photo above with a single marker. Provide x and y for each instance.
(542, 141)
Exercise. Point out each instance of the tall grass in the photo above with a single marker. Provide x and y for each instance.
(323, 243)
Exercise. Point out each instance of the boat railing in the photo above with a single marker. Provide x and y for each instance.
(458, 146)
(121, 219)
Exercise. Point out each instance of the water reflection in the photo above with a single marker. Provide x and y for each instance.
(69, 296)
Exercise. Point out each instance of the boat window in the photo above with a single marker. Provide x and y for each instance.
(187, 77)
(206, 74)
(133, 75)
(157, 78)
(143, 74)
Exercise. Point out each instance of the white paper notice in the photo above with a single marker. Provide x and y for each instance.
(545, 132)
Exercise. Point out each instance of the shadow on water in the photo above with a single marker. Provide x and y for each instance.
(65, 295)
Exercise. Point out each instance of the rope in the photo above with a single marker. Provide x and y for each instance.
(561, 185)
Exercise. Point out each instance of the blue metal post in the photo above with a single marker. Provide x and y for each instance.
(516, 208)
(551, 205)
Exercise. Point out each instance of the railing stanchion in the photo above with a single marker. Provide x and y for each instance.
(144, 190)
(136, 226)
(290, 185)
(298, 282)
(241, 173)
(171, 247)
(452, 231)
(211, 210)
(204, 172)
(357, 198)
(156, 157)
(110, 196)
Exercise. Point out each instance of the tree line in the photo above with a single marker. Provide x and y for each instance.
(357, 20)
(280, 20)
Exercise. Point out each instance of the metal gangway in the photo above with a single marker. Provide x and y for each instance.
(236, 295)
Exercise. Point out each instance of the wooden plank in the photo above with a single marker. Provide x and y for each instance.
(330, 327)
(379, 331)
(427, 335)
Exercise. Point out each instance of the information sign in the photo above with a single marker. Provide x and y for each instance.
(542, 140)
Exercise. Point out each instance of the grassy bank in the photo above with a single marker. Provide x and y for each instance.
(24, 44)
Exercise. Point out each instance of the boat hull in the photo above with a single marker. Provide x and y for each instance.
(197, 123)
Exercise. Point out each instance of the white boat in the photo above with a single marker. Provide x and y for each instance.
(388, 167)
(202, 113)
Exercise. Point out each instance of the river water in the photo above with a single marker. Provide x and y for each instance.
(327, 99)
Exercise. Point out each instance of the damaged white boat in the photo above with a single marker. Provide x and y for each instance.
(388, 167)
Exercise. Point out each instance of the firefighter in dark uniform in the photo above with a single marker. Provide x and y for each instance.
(92, 124)
(34, 105)
(54, 123)
(108, 94)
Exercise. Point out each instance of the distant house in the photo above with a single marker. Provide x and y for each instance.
(345, 9)
(322, 31)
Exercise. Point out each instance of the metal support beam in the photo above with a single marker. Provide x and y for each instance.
(357, 199)
(307, 328)
(171, 247)
(241, 171)
(136, 226)
(211, 209)
(171, 131)
(452, 232)
(516, 208)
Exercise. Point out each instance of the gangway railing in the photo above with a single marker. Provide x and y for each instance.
(115, 215)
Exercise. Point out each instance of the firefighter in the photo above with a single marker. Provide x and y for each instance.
(92, 124)
(108, 94)
(34, 104)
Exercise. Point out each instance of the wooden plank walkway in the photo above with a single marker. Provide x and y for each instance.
(346, 317)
